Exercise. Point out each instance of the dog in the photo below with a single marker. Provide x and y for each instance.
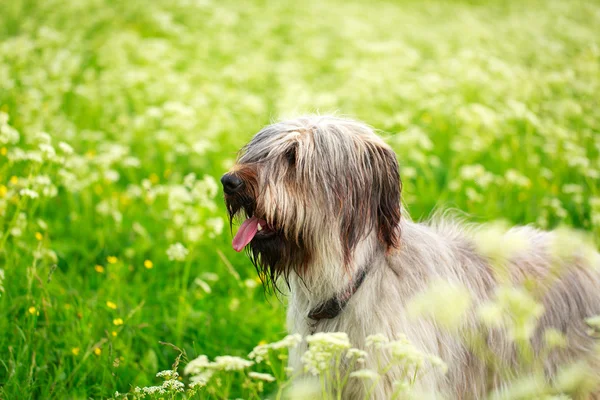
(320, 201)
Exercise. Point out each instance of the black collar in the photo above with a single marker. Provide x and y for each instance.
(333, 307)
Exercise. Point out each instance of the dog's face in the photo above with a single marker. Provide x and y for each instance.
(310, 189)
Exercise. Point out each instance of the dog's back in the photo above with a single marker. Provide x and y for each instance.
(555, 269)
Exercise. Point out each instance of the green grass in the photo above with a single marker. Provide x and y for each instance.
(492, 108)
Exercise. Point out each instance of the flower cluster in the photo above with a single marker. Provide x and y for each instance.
(289, 342)
(323, 350)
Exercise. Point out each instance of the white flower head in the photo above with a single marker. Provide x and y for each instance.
(261, 377)
(32, 194)
(65, 148)
(324, 347)
(47, 150)
(177, 252)
(173, 385)
(43, 138)
(367, 374)
(168, 374)
(197, 365)
(378, 340)
(288, 342)
(360, 355)
(231, 363)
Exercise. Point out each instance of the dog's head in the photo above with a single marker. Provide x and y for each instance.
(311, 189)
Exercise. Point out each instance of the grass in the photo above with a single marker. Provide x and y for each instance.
(492, 108)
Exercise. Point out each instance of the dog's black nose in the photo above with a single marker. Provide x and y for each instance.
(231, 183)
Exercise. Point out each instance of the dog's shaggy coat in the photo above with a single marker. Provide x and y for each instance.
(321, 200)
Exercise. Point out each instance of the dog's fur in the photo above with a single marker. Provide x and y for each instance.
(329, 190)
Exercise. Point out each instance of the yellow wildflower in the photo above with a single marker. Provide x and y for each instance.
(97, 351)
(38, 236)
(125, 200)
(14, 180)
(112, 259)
(32, 310)
(99, 269)
(75, 351)
(114, 333)
(3, 190)
(154, 178)
(118, 321)
(3, 151)
(148, 264)
(112, 305)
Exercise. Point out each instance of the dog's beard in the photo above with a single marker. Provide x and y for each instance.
(277, 257)
(273, 254)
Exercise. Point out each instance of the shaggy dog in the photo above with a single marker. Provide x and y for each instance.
(320, 202)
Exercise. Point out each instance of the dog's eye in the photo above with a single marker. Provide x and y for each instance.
(290, 156)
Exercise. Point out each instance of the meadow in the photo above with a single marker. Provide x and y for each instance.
(118, 118)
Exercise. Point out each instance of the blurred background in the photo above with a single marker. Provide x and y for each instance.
(118, 118)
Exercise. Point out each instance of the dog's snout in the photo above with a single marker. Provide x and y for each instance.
(231, 183)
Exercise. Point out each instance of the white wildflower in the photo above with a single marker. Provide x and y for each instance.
(250, 283)
(330, 340)
(167, 374)
(43, 138)
(259, 352)
(131, 162)
(29, 193)
(365, 374)
(210, 276)
(513, 308)
(378, 341)
(433, 303)
(197, 365)
(154, 390)
(402, 351)
(47, 151)
(261, 377)
(8, 134)
(179, 196)
(514, 177)
(201, 378)
(177, 252)
(192, 234)
(189, 180)
(231, 363)
(173, 385)
(215, 225)
(323, 348)
(111, 175)
(203, 285)
(288, 342)
(65, 148)
(360, 355)
(201, 146)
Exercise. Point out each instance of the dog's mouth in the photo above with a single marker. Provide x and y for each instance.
(252, 228)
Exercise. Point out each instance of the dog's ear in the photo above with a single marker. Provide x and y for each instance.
(386, 195)
(369, 199)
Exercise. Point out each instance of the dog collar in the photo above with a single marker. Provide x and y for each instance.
(334, 306)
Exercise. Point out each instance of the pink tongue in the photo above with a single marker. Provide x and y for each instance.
(245, 233)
